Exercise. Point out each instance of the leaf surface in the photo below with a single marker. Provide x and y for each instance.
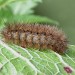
(15, 60)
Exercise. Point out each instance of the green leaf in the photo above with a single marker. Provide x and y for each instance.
(26, 19)
(31, 19)
(15, 60)
(23, 7)
(19, 6)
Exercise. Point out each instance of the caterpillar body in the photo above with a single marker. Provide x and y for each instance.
(36, 36)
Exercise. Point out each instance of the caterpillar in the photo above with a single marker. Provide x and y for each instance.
(36, 36)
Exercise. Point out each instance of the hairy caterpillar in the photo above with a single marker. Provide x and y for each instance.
(36, 35)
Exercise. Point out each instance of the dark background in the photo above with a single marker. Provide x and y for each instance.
(62, 11)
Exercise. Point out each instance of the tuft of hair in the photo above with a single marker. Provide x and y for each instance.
(37, 36)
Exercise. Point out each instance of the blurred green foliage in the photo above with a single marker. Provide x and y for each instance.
(21, 11)
(11, 8)
(16, 7)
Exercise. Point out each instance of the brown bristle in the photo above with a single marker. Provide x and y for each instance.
(37, 36)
